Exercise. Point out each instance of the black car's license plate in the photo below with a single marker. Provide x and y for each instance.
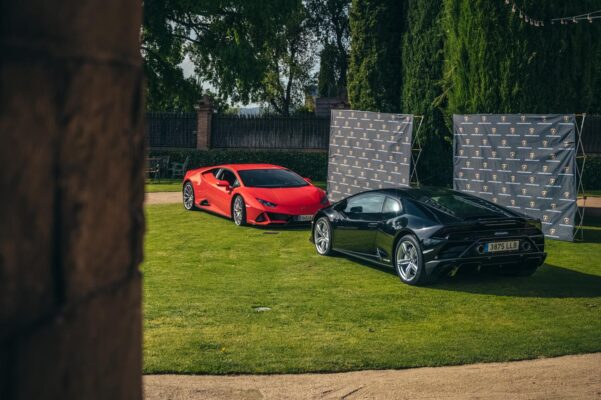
(304, 218)
(493, 247)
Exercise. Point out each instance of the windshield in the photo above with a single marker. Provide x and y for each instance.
(462, 206)
(271, 178)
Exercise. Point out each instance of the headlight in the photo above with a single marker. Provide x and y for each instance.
(266, 203)
(324, 200)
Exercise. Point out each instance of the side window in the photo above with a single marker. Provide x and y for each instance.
(216, 172)
(229, 176)
(392, 208)
(367, 207)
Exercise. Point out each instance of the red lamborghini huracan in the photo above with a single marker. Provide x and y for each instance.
(257, 194)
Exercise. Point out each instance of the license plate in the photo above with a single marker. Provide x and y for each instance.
(304, 218)
(493, 247)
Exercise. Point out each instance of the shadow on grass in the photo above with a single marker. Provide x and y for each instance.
(549, 281)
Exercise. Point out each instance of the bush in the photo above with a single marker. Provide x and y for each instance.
(312, 165)
(591, 179)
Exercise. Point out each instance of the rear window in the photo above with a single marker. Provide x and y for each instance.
(271, 178)
(462, 206)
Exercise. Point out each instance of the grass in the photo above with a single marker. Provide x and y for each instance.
(593, 193)
(204, 277)
(165, 185)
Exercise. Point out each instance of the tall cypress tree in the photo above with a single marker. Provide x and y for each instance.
(422, 74)
(374, 76)
(497, 63)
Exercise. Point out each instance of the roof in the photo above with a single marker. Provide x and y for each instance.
(242, 167)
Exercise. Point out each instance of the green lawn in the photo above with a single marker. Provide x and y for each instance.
(204, 277)
(165, 185)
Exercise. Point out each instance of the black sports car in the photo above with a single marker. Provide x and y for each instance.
(426, 232)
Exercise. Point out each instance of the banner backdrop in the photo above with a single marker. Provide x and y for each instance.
(523, 162)
(368, 150)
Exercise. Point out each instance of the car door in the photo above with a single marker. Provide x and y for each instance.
(356, 230)
(223, 195)
(391, 222)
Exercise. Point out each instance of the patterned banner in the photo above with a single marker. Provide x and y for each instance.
(368, 150)
(524, 162)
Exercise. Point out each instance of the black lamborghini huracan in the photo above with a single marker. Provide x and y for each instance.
(423, 233)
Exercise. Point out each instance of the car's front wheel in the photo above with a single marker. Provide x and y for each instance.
(239, 211)
(408, 261)
(322, 236)
(188, 197)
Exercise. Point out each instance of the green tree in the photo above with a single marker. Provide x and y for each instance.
(249, 50)
(331, 24)
(327, 79)
(374, 75)
(423, 60)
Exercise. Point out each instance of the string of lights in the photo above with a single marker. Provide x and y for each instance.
(574, 19)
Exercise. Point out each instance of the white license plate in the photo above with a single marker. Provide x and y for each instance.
(304, 218)
(493, 247)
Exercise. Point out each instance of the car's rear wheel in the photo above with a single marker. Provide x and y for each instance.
(239, 211)
(322, 236)
(408, 261)
(188, 197)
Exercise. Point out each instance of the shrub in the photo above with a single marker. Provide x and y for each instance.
(591, 179)
(312, 165)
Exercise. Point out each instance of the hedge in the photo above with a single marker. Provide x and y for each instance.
(314, 165)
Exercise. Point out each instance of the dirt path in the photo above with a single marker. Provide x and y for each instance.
(569, 377)
(176, 197)
(163, 198)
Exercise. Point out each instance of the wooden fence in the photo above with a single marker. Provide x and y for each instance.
(171, 129)
(270, 132)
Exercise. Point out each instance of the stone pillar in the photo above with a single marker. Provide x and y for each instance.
(204, 115)
(71, 189)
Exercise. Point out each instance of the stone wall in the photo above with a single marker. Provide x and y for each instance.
(71, 194)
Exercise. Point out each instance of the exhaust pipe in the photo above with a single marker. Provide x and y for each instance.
(480, 249)
(526, 246)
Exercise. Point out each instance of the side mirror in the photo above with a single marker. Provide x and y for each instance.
(224, 184)
(308, 180)
(357, 209)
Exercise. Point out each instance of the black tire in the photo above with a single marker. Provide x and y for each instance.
(322, 236)
(411, 271)
(239, 219)
(188, 197)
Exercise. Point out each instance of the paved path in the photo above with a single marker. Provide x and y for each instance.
(163, 198)
(569, 377)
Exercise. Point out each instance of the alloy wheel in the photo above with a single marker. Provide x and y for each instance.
(407, 261)
(322, 236)
(238, 211)
(188, 196)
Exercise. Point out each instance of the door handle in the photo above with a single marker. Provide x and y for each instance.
(372, 225)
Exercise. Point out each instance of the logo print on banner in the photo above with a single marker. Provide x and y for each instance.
(376, 145)
(526, 163)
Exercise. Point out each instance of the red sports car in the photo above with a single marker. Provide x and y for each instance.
(257, 194)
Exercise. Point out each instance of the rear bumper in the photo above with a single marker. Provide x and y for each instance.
(521, 260)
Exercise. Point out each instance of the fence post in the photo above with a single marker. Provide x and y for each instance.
(204, 114)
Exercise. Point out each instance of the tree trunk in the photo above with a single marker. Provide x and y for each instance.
(71, 221)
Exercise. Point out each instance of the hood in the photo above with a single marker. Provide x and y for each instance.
(289, 196)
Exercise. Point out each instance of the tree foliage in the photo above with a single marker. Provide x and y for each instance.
(374, 75)
(247, 50)
(423, 60)
(496, 63)
(331, 24)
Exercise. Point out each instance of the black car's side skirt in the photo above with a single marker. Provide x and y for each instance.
(365, 257)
